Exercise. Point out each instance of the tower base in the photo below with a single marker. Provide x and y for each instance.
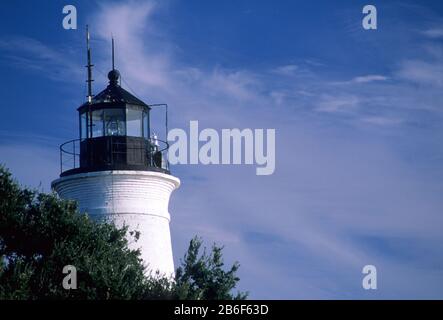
(137, 199)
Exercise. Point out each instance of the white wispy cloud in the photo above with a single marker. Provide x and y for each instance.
(382, 121)
(238, 84)
(362, 79)
(369, 78)
(149, 64)
(338, 103)
(421, 72)
(434, 33)
(286, 70)
(31, 54)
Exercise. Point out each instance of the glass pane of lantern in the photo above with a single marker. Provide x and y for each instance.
(114, 122)
(97, 123)
(145, 125)
(134, 122)
(83, 126)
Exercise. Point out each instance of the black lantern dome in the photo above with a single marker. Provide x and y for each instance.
(114, 133)
(114, 94)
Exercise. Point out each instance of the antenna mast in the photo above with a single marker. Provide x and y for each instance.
(89, 66)
(113, 53)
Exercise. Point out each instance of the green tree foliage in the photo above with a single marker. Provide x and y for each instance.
(40, 234)
(202, 276)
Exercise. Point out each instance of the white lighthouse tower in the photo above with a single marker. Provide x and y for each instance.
(119, 172)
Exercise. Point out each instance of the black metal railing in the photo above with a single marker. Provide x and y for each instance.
(153, 151)
(70, 155)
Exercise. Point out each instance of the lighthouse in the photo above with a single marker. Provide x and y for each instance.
(117, 170)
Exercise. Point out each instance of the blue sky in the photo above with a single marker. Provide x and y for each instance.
(357, 115)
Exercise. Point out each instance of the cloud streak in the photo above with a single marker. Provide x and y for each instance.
(30, 54)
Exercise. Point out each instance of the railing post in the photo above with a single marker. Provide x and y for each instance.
(111, 149)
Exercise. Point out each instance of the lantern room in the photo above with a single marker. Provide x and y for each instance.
(114, 112)
(114, 129)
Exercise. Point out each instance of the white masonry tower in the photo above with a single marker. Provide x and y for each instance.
(119, 172)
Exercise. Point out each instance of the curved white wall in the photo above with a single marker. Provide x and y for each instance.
(138, 199)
